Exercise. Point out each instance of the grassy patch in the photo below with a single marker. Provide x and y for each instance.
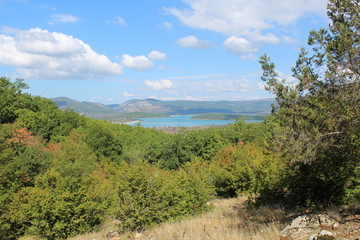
(224, 222)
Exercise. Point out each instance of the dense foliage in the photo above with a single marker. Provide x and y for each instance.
(62, 174)
(319, 117)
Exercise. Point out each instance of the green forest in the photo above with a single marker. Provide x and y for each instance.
(63, 174)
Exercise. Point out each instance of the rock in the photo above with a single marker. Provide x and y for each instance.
(313, 237)
(306, 224)
(326, 235)
(113, 235)
(323, 235)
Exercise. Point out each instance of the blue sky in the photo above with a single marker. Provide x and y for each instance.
(111, 51)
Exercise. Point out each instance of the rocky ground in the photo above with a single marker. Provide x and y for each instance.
(341, 224)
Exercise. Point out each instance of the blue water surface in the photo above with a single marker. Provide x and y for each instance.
(178, 121)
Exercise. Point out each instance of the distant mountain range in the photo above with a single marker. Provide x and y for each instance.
(181, 107)
(196, 107)
(81, 107)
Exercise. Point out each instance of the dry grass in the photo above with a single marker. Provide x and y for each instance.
(27, 238)
(229, 220)
(108, 226)
(225, 222)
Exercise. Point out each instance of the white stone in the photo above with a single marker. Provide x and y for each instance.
(313, 237)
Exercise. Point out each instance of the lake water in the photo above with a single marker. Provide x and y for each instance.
(179, 121)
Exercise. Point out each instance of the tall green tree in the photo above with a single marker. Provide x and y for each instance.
(11, 98)
(319, 117)
(102, 141)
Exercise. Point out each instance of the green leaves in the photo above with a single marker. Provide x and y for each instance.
(103, 142)
(320, 115)
(148, 195)
(11, 98)
(246, 169)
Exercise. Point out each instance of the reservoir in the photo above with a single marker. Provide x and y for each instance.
(179, 121)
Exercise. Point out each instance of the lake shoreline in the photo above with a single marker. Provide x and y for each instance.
(178, 121)
(174, 130)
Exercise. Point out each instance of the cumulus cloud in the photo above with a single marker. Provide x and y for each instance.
(117, 21)
(246, 18)
(156, 55)
(126, 94)
(40, 54)
(163, 84)
(62, 18)
(139, 63)
(193, 42)
(240, 46)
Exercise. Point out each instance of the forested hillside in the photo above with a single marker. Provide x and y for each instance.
(63, 174)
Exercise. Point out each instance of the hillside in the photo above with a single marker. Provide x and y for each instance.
(142, 108)
(261, 107)
(101, 111)
(85, 108)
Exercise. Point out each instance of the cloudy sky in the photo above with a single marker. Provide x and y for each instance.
(110, 51)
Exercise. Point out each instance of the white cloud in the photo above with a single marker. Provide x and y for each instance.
(117, 21)
(193, 42)
(126, 94)
(219, 87)
(289, 40)
(167, 25)
(39, 54)
(163, 84)
(261, 85)
(244, 17)
(199, 76)
(214, 87)
(139, 63)
(156, 55)
(228, 86)
(240, 46)
(289, 79)
(62, 18)
(266, 38)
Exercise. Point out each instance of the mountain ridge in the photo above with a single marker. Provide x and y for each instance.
(174, 107)
(183, 107)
